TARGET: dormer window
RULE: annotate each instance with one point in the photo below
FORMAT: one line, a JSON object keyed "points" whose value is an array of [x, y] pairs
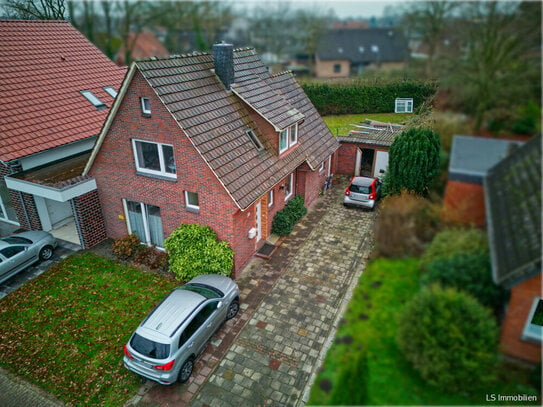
{"points": [[146, 106], [111, 91], [254, 139], [288, 138], [91, 97]]}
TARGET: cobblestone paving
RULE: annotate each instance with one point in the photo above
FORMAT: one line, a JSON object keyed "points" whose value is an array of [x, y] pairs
{"points": [[275, 356]]}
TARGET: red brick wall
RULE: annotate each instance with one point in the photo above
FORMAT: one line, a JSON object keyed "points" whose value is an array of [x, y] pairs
{"points": [[464, 204], [89, 219], [520, 304], [115, 171], [346, 159]]}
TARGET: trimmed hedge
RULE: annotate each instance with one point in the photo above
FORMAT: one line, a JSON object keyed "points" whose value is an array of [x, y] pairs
{"points": [[284, 220], [366, 97]]}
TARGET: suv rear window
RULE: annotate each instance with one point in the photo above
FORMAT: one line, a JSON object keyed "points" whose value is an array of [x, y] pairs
{"points": [[360, 189], [150, 348]]}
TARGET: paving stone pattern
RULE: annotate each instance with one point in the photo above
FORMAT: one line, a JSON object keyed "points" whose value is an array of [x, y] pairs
{"points": [[271, 361]]}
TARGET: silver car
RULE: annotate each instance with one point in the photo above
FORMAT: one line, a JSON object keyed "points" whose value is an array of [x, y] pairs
{"points": [[21, 250], [165, 345], [363, 192]]}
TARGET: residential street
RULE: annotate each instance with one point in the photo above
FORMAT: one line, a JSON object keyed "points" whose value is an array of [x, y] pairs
{"points": [[292, 304]]}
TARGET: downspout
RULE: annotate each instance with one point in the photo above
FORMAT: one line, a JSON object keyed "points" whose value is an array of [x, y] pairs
{"points": [[27, 218]]}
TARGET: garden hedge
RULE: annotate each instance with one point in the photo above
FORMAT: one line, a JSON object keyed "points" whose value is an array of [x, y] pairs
{"points": [[366, 97]]}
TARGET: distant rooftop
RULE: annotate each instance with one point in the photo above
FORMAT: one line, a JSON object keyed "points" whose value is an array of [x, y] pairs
{"points": [[472, 157]]}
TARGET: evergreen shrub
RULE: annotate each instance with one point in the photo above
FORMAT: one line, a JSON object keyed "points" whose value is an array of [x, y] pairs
{"points": [[351, 386], [285, 220], [195, 249], [449, 338]]}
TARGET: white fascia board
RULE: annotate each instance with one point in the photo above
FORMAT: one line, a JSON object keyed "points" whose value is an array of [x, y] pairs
{"points": [[47, 192]]}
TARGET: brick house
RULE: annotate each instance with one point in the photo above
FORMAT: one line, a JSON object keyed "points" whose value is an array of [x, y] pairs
{"points": [[57, 89], [212, 139], [512, 191]]}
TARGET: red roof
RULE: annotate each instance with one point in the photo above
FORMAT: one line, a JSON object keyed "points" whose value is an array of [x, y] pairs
{"points": [[44, 65], [147, 45]]}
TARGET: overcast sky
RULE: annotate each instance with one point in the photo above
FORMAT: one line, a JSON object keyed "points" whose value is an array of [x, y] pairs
{"points": [[343, 8]]}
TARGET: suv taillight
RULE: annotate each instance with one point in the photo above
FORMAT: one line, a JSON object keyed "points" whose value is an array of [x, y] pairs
{"points": [[128, 355], [347, 191], [167, 366], [371, 197]]}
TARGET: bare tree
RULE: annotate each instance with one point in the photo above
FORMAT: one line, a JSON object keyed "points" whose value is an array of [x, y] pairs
{"points": [[35, 9]]}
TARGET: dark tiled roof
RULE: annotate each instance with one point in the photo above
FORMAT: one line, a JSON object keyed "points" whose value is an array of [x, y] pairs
{"points": [[358, 46], [513, 212], [43, 67], [216, 120], [472, 157]]}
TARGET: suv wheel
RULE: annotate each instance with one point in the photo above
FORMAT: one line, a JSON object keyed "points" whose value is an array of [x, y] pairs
{"points": [[185, 371], [233, 309]]}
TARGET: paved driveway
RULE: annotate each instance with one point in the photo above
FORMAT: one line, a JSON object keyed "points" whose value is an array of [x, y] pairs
{"points": [[291, 306]]}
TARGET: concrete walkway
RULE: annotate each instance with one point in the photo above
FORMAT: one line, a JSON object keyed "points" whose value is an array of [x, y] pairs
{"points": [[291, 305]]}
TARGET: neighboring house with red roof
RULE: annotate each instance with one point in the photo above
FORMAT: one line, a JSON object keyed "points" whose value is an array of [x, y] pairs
{"points": [[56, 91], [141, 45], [212, 139]]}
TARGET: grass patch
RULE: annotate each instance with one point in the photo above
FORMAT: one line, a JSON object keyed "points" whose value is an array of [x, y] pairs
{"points": [[371, 323], [342, 124], [65, 330]]}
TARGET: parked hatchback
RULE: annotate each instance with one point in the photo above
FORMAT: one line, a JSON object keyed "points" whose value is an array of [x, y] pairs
{"points": [[165, 345], [363, 192], [21, 250]]}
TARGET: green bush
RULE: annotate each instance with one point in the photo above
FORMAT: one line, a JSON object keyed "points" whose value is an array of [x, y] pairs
{"points": [[449, 338], [194, 250], [466, 272], [449, 242], [285, 220], [126, 247], [414, 161], [351, 387], [357, 97]]}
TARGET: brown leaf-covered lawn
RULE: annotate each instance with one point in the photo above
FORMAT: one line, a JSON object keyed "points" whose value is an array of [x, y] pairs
{"points": [[66, 329]]}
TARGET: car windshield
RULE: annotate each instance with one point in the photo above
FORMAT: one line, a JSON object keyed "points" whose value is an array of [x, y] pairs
{"points": [[204, 290], [360, 189], [150, 348], [16, 240]]}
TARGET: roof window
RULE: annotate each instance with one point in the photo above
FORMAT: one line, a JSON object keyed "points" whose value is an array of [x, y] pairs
{"points": [[254, 139], [111, 91], [91, 97]]}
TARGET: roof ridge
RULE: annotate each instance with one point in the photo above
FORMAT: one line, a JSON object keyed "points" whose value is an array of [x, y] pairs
{"points": [[288, 71]]}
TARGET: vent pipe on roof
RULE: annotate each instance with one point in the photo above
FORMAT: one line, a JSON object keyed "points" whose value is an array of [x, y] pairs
{"points": [[223, 58]]}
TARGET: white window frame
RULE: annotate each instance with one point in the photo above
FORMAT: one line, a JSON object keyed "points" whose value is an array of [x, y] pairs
{"points": [[162, 172], [93, 99], [270, 198], [111, 91], [321, 167], [532, 332], [291, 134], [403, 105], [144, 109], [190, 206], [288, 193], [146, 227], [254, 139]]}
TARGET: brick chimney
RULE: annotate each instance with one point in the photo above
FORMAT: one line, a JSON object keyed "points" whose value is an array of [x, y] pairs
{"points": [[223, 57]]}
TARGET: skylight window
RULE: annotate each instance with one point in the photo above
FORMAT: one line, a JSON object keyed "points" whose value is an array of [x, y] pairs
{"points": [[111, 91], [91, 97], [254, 139]]}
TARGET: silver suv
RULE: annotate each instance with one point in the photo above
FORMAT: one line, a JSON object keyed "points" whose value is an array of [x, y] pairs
{"points": [[163, 348]]}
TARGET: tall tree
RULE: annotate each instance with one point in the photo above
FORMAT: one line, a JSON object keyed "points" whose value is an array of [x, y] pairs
{"points": [[429, 23], [35, 9]]}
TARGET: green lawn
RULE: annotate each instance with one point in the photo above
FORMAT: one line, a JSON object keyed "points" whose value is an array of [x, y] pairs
{"points": [[340, 125], [66, 329], [371, 322]]}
